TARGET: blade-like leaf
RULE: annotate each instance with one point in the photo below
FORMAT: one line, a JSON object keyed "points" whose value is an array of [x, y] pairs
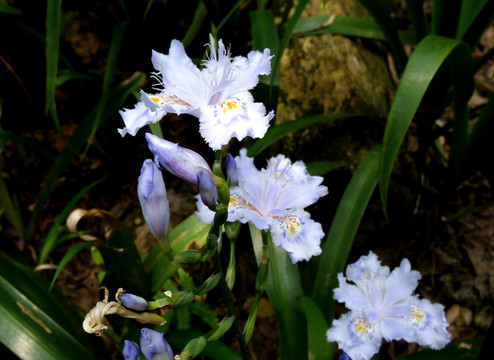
{"points": [[424, 63], [284, 289], [77, 140], [51, 238], [66, 258], [459, 350], [381, 15], [343, 229], [416, 11], [346, 26], [277, 132], [199, 16], [7, 9], [445, 16], [319, 347]]}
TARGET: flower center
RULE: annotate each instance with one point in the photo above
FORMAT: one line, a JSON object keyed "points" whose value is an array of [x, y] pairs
{"points": [[228, 105], [417, 317]]}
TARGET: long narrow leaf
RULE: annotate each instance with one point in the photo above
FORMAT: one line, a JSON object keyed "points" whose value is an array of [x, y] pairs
{"points": [[53, 21], [416, 11], [199, 16], [66, 258], [287, 35], [31, 334], [343, 229], [77, 140], [319, 347], [424, 63], [284, 289], [445, 17], [51, 238], [7, 9], [116, 42], [478, 23], [277, 132], [383, 18], [346, 26]]}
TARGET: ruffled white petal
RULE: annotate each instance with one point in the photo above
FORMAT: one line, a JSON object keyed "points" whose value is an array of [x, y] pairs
{"points": [[238, 117], [401, 283], [204, 214], [365, 267], [355, 336], [429, 324], [136, 118], [353, 297], [298, 234], [179, 76]]}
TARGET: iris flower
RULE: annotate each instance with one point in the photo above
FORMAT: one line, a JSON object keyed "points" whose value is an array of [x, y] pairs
{"points": [[382, 305], [274, 198], [218, 94]]}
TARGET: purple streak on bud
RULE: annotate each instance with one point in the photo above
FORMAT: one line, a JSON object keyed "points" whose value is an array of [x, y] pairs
{"points": [[207, 189], [152, 196], [130, 350], [344, 357], [231, 169], [181, 162], [133, 302], [154, 345]]}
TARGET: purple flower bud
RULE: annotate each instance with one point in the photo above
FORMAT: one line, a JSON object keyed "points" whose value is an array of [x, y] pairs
{"points": [[231, 169], [133, 302], [181, 162], [130, 350], [152, 196], [154, 345], [207, 189]]}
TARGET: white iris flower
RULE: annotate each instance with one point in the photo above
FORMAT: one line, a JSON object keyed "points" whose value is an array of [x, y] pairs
{"points": [[274, 198], [218, 94], [382, 305]]}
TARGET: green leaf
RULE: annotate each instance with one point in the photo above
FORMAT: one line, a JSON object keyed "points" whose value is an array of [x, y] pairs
{"points": [[381, 15], [287, 35], [319, 168], [459, 350], [199, 16], [284, 289], [346, 26], [419, 20], [117, 97], [445, 17], [343, 229], [7, 9], [423, 65], [123, 260], [50, 241], [30, 333], [157, 266], [36, 323], [277, 132], [264, 35], [53, 21], [475, 17], [319, 347], [214, 349], [66, 258], [111, 64]]}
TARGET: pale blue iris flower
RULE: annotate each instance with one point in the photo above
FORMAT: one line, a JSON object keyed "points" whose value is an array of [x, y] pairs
{"points": [[152, 197], [154, 346], [218, 94], [274, 199], [130, 350], [382, 306], [181, 162]]}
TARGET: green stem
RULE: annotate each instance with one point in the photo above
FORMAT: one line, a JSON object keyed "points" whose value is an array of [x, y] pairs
{"points": [[227, 294]]}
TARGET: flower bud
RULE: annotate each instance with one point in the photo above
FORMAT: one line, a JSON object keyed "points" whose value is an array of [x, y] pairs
{"points": [[154, 203], [154, 345], [130, 350], [133, 302], [181, 162], [194, 348], [207, 189], [231, 169]]}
